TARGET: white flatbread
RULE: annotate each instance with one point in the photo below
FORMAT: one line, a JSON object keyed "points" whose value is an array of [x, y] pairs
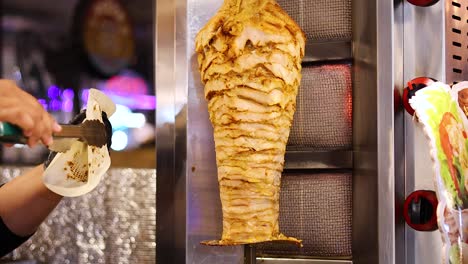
{"points": [[79, 170]]}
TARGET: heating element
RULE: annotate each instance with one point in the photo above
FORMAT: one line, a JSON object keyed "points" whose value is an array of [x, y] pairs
{"points": [[321, 20], [323, 118], [317, 208]]}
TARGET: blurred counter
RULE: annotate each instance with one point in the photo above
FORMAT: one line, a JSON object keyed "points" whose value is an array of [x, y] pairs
{"points": [[115, 223], [138, 158]]}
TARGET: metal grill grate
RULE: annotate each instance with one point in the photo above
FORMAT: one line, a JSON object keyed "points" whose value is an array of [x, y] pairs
{"points": [[456, 28], [321, 20], [317, 209], [323, 118]]}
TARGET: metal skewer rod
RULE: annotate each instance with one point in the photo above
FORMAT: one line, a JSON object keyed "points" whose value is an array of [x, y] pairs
{"points": [[250, 255]]}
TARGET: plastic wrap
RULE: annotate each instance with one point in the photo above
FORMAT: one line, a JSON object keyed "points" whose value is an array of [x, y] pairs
{"points": [[440, 110]]}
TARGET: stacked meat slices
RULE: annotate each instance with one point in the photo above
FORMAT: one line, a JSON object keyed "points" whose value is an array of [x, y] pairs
{"points": [[249, 58]]}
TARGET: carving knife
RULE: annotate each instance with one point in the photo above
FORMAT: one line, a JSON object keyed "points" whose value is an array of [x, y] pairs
{"points": [[93, 132]]}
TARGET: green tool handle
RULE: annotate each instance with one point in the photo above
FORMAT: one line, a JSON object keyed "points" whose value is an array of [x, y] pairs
{"points": [[11, 134]]}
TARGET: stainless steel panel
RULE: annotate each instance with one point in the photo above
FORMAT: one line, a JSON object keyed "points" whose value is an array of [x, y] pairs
{"points": [[317, 208], [399, 149], [318, 160], [321, 20], [250, 254], [423, 32], [171, 219], [327, 51], [456, 42], [300, 261], [204, 215], [373, 179]]}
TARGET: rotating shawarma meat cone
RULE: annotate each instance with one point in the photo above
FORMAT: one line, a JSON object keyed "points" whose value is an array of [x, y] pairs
{"points": [[249, 57]]}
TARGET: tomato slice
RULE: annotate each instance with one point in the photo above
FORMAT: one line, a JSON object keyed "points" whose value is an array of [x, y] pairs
{"points": [[447, 148]]}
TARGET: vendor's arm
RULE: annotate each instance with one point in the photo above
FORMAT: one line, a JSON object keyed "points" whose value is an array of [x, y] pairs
{"points": [[25, 202]]}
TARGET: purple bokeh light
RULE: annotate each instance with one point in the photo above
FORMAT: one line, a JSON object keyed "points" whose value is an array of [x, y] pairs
{"points": [[43, 102], [55, 105], [67, 106], [84, 96], [53, 92], [68, 94]]}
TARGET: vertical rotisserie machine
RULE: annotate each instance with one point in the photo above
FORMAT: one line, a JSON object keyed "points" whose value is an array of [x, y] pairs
{"points": [[353, 154]]}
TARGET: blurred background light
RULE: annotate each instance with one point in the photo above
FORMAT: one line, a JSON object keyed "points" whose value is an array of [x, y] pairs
{"points": [[119, 140], [125, 118]]}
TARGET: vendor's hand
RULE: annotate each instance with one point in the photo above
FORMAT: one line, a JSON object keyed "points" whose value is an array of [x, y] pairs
{"points": [[22, 109], [78, 119]]}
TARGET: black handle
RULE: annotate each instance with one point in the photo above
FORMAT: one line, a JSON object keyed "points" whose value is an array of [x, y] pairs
{"points": [[12, 134]]}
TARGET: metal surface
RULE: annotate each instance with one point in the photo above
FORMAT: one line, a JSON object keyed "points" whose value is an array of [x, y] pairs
{"points": [[327, 51], [378, 68], [178, 241], [170, 229], [373, 179], [321, 20], [93, 132], [204, 215], [422, 27], [315, 206], [399, 149], [300, 261], [318, 160], [323, 117], [456, 43], [183, 98], [115, 223], [250, 254]]}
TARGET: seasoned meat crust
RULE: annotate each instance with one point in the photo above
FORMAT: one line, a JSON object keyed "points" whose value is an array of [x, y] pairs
{"points": [[249, 57]]}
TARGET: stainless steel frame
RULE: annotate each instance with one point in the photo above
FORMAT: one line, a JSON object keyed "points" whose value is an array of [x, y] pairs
{"points": [[301, 261], [373, 128], [456, 68], [171, 182], [318, 160], [324, 51], [187, 193], [419, 51], [399, 150]]}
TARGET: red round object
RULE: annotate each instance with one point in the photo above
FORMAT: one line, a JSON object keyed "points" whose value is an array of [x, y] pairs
{"points": [[430, 207], [423, 3], [413, 86]]}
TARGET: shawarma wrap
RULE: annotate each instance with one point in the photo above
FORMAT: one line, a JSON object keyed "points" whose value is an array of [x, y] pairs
{"points": [[440, 110], [79, 169]]}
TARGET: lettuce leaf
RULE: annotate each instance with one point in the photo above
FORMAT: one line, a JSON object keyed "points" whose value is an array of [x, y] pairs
{"points": [[430, 104]]}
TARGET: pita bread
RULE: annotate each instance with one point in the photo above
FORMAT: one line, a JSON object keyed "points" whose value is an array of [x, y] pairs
{"points": [[79, 170]]}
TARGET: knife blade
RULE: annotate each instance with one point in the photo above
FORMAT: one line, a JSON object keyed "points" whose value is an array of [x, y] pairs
{"points": [[93, 132]]}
